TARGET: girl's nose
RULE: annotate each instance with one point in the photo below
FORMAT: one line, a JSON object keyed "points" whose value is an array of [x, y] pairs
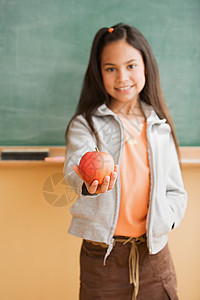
{"points": [[122, 75]]}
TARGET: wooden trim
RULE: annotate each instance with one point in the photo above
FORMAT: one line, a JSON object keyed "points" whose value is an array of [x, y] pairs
{"points": [[190, 156]]}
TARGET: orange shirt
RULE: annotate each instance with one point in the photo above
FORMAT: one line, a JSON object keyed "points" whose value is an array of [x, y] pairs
{"points": [[135, 181]]}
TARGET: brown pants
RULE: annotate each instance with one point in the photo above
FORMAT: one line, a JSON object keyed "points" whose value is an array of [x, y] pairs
{"points": [[157, 279]]}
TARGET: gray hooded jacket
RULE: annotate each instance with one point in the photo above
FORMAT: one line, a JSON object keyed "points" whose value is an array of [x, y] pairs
{"points": [[94, 217]]}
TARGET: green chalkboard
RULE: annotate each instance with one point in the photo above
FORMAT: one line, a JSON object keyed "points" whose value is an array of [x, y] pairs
{"points": [[44, 51]]}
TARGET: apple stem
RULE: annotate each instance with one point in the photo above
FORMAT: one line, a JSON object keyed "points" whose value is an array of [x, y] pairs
{"points": [[96, 149]]}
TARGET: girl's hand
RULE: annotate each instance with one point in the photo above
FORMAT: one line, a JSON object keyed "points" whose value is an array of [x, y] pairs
{"points": [[96, 188]]}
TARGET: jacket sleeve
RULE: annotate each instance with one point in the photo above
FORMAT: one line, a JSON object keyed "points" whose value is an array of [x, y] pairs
{"points": [[175, 191], [79, 141]]}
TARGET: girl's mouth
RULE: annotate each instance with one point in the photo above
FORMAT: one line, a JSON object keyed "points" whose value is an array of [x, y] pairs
{"points": [[124, 88]]}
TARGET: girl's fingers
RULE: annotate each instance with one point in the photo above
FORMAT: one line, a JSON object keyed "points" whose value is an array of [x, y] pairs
{"points": [[107, 184], [104, 186], [76, 170], [116, 168], [113, 178], [92, 188]]}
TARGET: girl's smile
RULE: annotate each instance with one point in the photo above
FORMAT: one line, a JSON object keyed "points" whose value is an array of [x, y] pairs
{"points": [[124, 89], [123, 73]]}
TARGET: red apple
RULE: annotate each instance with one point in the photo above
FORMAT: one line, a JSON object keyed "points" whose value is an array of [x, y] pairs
{"points": [[95, 165]]}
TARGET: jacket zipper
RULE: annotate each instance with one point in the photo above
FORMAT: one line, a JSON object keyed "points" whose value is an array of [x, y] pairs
{"points": [[150, 156], [119, 185]]}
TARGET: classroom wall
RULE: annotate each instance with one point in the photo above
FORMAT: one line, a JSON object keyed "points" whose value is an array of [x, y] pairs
{"points": [[45, 47], [39, 260]]}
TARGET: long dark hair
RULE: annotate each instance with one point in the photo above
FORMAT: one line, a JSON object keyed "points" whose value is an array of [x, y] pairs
{"points": [[93, 93]]}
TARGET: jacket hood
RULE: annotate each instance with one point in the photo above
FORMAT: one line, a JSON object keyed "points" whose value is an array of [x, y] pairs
{"points": [[149, 112]]}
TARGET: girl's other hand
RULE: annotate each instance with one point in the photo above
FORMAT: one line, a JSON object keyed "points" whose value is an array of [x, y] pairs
{"points": [[96, 188]]}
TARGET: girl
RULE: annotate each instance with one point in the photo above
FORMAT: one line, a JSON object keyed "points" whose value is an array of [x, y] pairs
{"points": [[125, 221]]}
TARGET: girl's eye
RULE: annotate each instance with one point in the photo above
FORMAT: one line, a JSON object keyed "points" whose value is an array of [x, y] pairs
{"points": [[110, 69], [131, 66]]}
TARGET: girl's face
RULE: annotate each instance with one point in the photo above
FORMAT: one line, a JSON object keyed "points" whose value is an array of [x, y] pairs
{"points": [[123, 72]]}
